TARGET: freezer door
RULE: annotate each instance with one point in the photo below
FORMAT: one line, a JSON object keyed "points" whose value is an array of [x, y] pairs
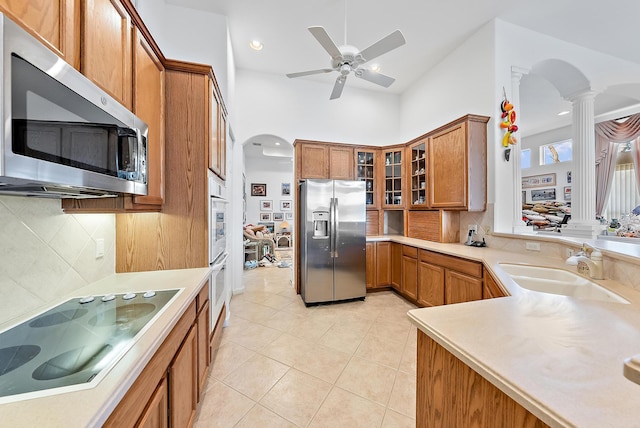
{"points": [[316, 261], [350, 240]]}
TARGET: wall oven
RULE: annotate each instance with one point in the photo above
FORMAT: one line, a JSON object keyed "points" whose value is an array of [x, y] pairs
{"points": [[217, 246]]}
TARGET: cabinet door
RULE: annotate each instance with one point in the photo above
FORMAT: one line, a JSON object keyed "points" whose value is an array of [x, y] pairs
{"points": [[148, 105], [106, 47], [156, 414], [222, 143], [370, 249], [366, 171], [383, 263], [393, 172], [214, 134], [410, 277], [430, 284], [53, 22], [417, 162], [448, 168], [204, 322], [461, 288], [313, 161], [396, 265], [340, 163], [491, 288], [183, 383]]}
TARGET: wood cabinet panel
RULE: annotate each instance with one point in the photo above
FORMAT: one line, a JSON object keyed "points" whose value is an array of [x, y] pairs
{"points": [[383, 264], [450, 394], [55, 23], [396, 265], [203, 327], [456, 263], [417, 174], [312, 160], [370, 249], [447, 168], [156, 414], [106, 47], [373, 223], [392, 166], [148, 105], [461, 288], [410, 277], [491, 287], [341, 163], [436, 226], [183, 384], [431, 280], [366, 166], [409, 251]]}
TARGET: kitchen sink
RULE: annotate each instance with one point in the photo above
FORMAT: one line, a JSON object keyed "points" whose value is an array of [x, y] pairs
{"points": [[559, 281]]}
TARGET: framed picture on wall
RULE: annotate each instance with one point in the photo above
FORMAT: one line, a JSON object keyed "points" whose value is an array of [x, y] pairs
{"points": [[285, 205], [568, 177], [286, 189], [258, 189], [539, 180], [266, 205], [543, 194], [278, 216], [265, 216], [524, 196], [567, 193], [288, 216]]}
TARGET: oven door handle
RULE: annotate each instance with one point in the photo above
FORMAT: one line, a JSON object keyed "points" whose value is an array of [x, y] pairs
{"points": [[218, 266]]}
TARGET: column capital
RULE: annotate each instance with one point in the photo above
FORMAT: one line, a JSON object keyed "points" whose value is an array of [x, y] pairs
{"points": [[582, 96], [518, 72]]}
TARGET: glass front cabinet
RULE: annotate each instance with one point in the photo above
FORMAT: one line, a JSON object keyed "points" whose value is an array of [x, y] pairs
{"points": [[365, 171], [393, 178], [418, 173]]}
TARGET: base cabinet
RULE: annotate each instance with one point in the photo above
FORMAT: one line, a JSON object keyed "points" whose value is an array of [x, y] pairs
{"points": [[183, 382], [156, 414], [410, 272], [370, 249], [450, 394], [396, 266], [431, 279], [461, 288], [383, 264], [491, 289]]}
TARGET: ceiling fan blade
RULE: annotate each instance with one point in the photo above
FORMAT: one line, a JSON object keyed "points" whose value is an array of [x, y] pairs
{"points": [[382, 46], [323, 38], [338, 87], [373, 77], [308, 73]]}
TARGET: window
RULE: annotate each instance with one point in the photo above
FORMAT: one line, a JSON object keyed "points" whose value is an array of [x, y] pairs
{"points": [[525, 158], [624, 195], [556, 153]]}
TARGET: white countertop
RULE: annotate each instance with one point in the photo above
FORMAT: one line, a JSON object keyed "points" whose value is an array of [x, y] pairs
{"points": [[561, 358], [91, 407]]}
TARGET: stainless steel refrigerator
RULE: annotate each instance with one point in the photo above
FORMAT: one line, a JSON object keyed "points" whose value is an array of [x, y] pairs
{"points": [[332, 240]]}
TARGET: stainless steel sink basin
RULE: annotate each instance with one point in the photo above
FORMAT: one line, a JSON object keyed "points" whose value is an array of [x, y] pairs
{"points": [[559, 281]]}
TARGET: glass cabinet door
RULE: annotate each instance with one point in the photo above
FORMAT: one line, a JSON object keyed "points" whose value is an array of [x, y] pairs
{"points": [[365, 172], [418, 174], [393, 178]]}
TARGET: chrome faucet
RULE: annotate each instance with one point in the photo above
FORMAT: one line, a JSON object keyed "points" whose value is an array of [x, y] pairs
{"points": [[589, 262]]}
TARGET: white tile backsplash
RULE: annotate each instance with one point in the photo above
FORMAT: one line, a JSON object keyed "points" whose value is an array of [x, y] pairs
{"points": [[45, 253]]}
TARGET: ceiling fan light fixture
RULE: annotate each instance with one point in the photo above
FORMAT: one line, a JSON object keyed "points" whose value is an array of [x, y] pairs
{"points": [[375, 67], [256, 45]]}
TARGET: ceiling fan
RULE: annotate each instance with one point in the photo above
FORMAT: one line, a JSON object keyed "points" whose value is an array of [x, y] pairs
{"points": [[346, 59]]}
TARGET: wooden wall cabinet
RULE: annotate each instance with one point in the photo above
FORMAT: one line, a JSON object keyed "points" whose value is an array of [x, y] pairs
{"points": [[410, 272], [417, 174], [366, 163], [451, 394], [393, 182], [106, 47], [217, 132], [56, 23], [324, 160], [457, 159]]}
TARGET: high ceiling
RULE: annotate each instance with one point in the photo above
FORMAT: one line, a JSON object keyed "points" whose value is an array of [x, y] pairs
{"points": [[432, 29]]}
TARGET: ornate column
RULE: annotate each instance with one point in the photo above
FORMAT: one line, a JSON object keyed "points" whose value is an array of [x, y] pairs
{"points": [[518, 226], [583, 183]]}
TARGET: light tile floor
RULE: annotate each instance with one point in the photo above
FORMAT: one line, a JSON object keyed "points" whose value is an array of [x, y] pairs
{"points": [[281, 364]]}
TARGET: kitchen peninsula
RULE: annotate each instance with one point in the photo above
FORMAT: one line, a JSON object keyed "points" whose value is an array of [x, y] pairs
{"points": [[559, 359]]}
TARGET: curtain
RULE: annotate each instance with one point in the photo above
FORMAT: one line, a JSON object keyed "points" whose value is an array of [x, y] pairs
{"points": [[635, 154], [608, 133]]}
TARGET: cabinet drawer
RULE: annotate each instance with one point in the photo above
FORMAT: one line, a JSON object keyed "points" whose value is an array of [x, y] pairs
{"points": [[454, 263], [410, 251]]}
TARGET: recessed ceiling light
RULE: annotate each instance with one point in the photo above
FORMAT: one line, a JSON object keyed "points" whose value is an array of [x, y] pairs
{"points": [[277, 144], [562, 113], [375, 67], [256, 45]]}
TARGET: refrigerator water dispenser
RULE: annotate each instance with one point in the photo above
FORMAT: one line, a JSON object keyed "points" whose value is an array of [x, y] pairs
{"points": [[320, 224]]}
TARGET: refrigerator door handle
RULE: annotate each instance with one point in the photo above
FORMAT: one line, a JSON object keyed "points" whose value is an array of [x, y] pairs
{"points": [[331, 228], [336, 233]]}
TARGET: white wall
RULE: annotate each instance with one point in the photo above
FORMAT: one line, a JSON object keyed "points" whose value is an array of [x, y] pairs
{"points": [[299, 108], [273, 173], [45, 254]]}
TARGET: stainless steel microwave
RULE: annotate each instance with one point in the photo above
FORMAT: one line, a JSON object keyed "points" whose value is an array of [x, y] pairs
{"points": [[62, 136]]}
